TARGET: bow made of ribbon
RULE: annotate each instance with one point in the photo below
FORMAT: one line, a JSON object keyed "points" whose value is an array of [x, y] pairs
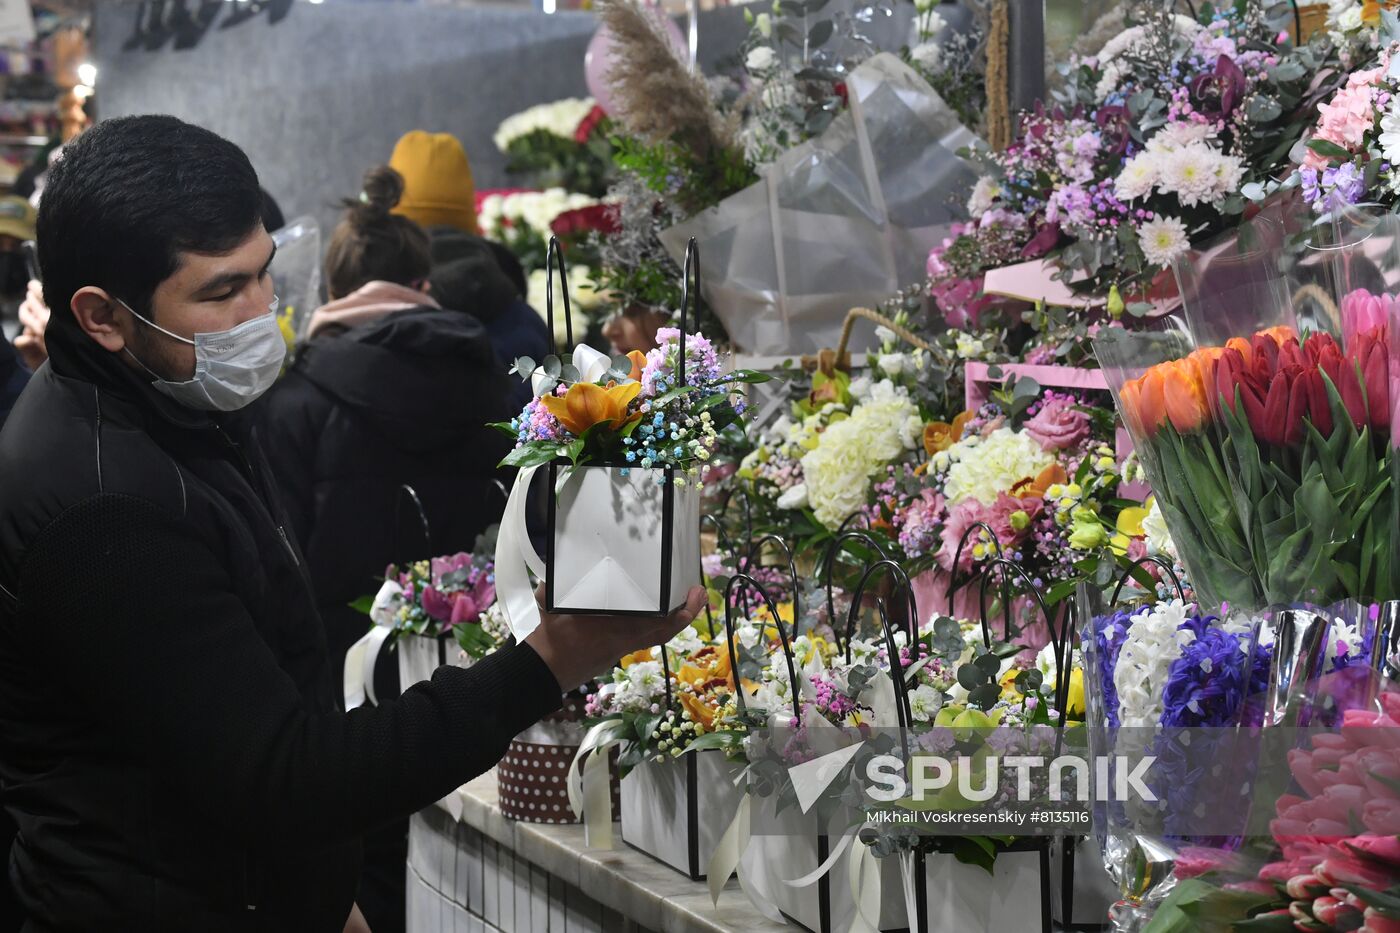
{"points": [[588, 783]]}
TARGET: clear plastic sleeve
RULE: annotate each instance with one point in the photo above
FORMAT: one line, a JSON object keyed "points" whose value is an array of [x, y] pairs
{"points": [[839, 221]]}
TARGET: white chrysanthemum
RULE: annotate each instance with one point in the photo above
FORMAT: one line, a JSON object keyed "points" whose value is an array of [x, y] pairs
{"points": [[1153, 643], [984, 193], [980, 471], [1163, 239], [1156, 533], [559, 118], [1189, 173], [1180, 134], [1138, 177], [1228, 173], [1390, 132]]}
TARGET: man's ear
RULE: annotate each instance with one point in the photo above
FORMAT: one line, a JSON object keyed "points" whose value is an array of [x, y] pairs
{"points": [[96, 313]]}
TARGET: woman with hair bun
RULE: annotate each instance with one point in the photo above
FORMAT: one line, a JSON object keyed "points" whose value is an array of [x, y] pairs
{"points": [[389, 389]]}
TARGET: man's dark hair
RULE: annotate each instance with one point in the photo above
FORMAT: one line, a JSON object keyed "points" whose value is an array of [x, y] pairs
{"points": [[131, 194]]}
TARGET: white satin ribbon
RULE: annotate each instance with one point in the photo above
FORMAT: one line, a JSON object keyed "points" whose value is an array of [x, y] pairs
{"points": [[358, 675], [515, 558], [730, 849], [587, 783], [591, 366], [866, 889]]}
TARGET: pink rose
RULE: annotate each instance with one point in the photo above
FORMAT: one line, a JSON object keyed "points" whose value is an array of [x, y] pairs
{"points": [[1058, 425]]}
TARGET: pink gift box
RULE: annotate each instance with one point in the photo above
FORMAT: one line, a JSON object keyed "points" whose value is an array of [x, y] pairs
{"points": [[979, 386]]}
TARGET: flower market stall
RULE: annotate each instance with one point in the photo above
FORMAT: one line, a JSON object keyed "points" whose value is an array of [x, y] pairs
{"points": [[1069, 600]]}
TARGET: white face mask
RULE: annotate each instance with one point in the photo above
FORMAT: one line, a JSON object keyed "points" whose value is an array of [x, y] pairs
{"points": [[231, 367]]}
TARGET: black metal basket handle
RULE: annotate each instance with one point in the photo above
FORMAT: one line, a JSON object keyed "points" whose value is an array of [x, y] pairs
{"points": [[690, 272], [749, 582], [1127, 575], [554, 257], [755, 550], [726, 549], [838, 544], [407, 493], [954, 584], [903, 711]]}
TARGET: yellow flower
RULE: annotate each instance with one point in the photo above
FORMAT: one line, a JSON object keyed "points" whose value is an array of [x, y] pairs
{"points": [[586, 404], [1130, 521], [635, 657], [1074, 702]]}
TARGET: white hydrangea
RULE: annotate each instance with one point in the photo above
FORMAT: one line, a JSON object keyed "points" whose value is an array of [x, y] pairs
{"points": [[1153, 643], [981, 469], [837, 473], [559, 118]]}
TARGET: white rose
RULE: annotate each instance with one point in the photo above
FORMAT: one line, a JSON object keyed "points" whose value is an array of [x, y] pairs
{"points": [[760, 59], [924, 703], [794, 498]]}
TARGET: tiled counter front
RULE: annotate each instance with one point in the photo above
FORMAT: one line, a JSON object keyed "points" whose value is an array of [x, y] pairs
{"points": [[470, 870]]}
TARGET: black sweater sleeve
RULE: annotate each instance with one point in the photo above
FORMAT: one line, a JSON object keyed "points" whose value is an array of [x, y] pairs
{"points": [[159, 652]]}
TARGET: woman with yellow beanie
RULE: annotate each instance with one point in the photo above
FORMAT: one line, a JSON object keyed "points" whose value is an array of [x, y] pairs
{"points": [[437, 178]]}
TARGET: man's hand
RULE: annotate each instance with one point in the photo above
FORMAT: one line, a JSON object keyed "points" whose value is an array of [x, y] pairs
{"points": [[355, 923], [577, 648], [34, 316]]}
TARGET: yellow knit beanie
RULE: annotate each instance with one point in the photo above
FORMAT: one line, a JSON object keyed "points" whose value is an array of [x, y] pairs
{"points": [[437, 181]]}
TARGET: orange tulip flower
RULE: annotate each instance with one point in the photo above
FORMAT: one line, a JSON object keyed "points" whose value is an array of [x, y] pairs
{"points": [[1174, 391], [586, 404], [939, 435], [1371, 9], [639, 361]]}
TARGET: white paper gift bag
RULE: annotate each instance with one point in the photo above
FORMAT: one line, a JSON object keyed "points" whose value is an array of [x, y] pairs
{"points": [[965, 898], [621, 541], [676, 811]]}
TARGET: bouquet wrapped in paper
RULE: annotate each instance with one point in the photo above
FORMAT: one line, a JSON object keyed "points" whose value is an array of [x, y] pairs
{"points": [[846, 216]]}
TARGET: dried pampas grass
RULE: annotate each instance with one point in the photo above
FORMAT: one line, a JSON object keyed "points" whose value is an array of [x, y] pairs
{"points": [[657, 97]]}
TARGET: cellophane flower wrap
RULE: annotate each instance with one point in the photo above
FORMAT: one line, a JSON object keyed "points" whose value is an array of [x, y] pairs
{"points": [[1268, 450]]}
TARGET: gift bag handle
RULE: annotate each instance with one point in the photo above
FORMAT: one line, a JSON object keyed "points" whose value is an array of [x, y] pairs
{"points": [[555, 256], [954, 584], [903, 711], [690, 272], [838, 544], [756, 549], [748, 581], [1163, 565], [726, 548], [407, 493]]}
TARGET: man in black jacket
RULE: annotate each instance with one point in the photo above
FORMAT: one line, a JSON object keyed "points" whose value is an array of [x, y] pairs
{"points": [[169, 744]]}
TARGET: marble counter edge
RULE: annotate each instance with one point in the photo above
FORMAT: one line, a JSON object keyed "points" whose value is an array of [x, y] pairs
{"points": [[622, 878]]}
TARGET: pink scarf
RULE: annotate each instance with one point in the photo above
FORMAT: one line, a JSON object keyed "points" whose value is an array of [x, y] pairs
{"points": [[372, 302]]}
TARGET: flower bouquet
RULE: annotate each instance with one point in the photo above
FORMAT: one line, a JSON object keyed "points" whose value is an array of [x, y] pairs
{"points": [[623, 442], [1270, 459], [563, 144]]}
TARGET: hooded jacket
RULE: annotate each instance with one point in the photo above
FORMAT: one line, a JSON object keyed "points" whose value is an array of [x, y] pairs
{"points": [[170, 748], [405, 399]]}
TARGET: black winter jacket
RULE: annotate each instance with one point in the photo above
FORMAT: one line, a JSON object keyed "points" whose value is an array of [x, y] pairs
{"points": [[402, 400], [170, 748]]}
